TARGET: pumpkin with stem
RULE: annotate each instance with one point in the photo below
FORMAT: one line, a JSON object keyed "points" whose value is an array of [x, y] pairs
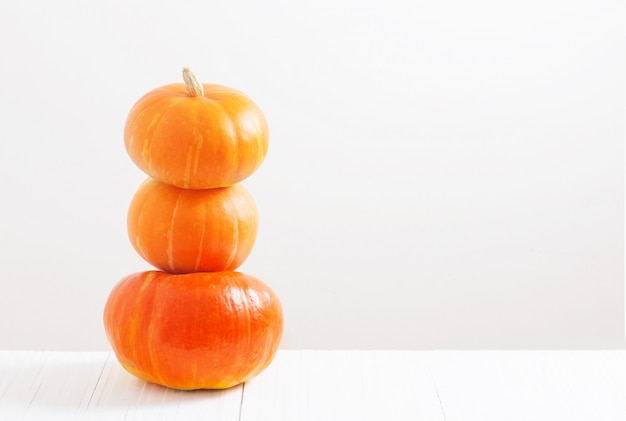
{"points": [[196, 136]]}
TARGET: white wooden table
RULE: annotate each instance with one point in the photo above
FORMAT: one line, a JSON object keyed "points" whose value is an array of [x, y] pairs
{"points": [[330, 385]]}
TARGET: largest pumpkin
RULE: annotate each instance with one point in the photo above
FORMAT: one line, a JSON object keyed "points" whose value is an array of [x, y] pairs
{"points": [[208, 330], [196, 136]]}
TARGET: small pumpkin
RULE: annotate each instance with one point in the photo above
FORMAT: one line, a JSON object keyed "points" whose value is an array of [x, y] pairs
{"points": [[196, 136], [208, 330], [182, 230]]}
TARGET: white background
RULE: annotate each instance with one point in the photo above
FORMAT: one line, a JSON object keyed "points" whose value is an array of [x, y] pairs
{"points": [[441, 174]]}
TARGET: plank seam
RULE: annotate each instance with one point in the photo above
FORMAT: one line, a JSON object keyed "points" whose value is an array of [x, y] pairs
{"points": [[443, 412], [39, 379], [95, 387], [243, 388]]}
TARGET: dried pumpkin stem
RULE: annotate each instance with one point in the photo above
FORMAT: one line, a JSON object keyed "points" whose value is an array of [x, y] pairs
{"points": [[195, 88]]}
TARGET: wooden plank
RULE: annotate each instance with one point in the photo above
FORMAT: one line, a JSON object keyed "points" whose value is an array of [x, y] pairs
{"points": [[119, 395], [612, 364], [596, 381], [19, 372], [46, 385], [93, 386], [483, 386], [526, 385], [400, 386], [342, 385]]}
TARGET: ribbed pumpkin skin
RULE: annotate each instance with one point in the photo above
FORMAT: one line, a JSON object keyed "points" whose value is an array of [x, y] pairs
{"points": [[194, 331], [209, 141], [182, 230]]}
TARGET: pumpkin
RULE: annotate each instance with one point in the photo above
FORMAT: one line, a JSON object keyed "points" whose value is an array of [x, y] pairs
{"points": [[196, 136], [207, 330], [182, 230]]}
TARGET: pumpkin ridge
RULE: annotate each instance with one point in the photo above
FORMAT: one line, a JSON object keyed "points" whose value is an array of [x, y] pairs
{"points": [[201, 240], [170, 235], [133, 131], [229, 209], [231, 133], [133, 308], [241, 132], [152, 337], [249, 347], [195, 151], [170, 104], [138, 224]]}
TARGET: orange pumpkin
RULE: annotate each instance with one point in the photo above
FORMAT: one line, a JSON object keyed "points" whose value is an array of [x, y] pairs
{"points": [[208, 330], [196, 136], [182, 230]]}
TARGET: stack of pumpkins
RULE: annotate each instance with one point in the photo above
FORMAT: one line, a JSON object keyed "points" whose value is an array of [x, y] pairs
{"points": [[195, 323]]}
